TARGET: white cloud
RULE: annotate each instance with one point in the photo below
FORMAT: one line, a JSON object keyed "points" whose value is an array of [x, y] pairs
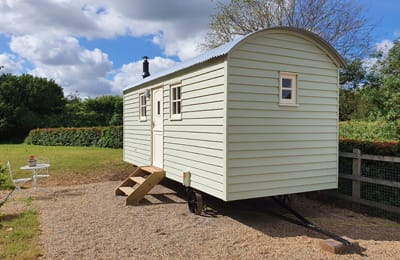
{"points": [[64, 60], [132, 72], [10, 64], [47, 32], [383, 47]]}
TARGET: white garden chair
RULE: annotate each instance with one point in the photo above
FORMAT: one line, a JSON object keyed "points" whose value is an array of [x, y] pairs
{"points": [[18, 183], [43, 172]]}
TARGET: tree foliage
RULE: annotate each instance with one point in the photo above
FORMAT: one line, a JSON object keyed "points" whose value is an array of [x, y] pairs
{"points": [[28, 102], [375, 95], [340, 22], [100, 111]]}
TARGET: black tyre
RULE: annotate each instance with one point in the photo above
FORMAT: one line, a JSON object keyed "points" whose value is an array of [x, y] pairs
{"points": [[195, 202]]}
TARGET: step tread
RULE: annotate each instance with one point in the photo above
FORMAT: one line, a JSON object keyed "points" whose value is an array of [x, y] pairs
{"points": [[151, 169], [138, 179], [127, 190]]}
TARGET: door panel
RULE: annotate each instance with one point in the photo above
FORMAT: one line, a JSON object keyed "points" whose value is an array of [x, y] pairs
{"points": [[158, 127]]}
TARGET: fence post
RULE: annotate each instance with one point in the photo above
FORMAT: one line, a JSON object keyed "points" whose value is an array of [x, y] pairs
{"points": [[356, 184]]}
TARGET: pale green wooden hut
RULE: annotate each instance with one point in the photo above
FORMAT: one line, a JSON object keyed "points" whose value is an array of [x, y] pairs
{"points": [[252, 118]]}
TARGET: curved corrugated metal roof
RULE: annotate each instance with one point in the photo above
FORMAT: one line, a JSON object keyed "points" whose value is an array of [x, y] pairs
{"points": [[226, 48]]}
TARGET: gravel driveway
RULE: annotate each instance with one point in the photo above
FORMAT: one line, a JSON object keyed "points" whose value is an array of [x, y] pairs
{"points": [[90, 222]]}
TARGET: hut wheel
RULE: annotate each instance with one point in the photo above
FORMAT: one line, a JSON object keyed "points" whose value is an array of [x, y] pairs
{"points": [[195, 202]]}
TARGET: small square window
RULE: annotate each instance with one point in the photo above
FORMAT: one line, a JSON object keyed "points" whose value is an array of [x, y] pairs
{"points": [[142, 108], [288, 89], [176, 103]]}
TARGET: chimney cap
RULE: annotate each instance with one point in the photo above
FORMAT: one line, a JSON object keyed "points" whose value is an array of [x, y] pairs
{"points": [[145, 57]]}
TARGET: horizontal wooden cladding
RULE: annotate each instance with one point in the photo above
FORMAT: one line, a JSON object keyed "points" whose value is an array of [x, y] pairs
{"points": [[132, 135], [268, 153], [278, 161], [279, 145], [255, 64], [279, 176], [279, 59], [212, 172], [282, 129], [282, 183], [202, 93], [241, 172], [206, 70], [198, 180], [215, 137], [272, 87], [193, 148], [281, 113], [196, 121], [195, 156], [292, 43], [242, 138], [134, 146], [195, 128], [212, 78], [136, 160], [250, 81], [239, 195], [204, 100], [218, 105], [283, 122], [273, 105], [259, 73], [278, 50], [194, 142]]}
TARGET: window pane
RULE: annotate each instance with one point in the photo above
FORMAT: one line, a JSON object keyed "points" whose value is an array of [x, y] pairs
{"points": [[178, 107], [178, 90], [173, 108], [286, 94], [158, 108], [286, 83], [174, 94]]}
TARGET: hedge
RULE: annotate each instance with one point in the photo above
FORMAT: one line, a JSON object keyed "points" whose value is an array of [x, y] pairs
{"points": [[110, 137], [390, 148], [366, 130]]}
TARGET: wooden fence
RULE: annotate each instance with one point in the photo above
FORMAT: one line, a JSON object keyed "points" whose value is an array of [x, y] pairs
{"points": [[356, 177]]}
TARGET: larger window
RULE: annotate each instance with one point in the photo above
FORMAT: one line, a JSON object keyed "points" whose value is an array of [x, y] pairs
{"points": [[142, 107], [176, 103], [288, 88]]}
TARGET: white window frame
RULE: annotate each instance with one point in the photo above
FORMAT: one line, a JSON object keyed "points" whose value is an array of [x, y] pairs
{"points": [[288, 101], [175, 106], [142, 107]]}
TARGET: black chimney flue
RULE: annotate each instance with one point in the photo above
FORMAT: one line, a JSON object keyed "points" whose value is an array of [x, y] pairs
{"points": [[146, 72]]}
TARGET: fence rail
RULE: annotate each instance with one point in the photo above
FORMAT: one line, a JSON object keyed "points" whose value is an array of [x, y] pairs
{"points": [[357, 173]]}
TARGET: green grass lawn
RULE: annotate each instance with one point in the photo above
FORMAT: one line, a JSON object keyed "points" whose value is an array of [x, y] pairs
{"points": [[77, 162], [69, 165], [18, 236]]}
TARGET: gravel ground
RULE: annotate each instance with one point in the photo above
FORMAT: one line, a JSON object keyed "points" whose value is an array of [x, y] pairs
{"points": [[90, 222]]}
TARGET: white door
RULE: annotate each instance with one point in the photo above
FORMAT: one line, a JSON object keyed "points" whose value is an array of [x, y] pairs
{"points": [[158, 127]]}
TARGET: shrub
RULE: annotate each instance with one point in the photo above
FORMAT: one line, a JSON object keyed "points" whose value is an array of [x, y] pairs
{"points": [[5, 182], [390, 148], [372, 131], [110, 137]]}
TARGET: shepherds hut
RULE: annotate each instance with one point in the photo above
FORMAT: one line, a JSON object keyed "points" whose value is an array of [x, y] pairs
{"points": [[252, 118]]}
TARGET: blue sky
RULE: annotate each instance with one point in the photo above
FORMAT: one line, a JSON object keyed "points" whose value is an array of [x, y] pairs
{"points": [[96, 47]]}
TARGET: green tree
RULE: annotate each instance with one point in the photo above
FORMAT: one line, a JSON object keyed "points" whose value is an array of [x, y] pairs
{"points": [[340, 22], [102, 109], [99, 111], [28, 102]]}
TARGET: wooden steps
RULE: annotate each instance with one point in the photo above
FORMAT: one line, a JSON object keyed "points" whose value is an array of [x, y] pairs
{"points": [[139, 183]]}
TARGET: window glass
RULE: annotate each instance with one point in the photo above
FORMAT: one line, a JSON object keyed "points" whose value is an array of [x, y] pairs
{"points": [[176, 103], [288, 88]]}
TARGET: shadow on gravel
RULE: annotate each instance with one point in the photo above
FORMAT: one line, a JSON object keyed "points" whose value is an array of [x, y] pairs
{"points": [[260, 214]]}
